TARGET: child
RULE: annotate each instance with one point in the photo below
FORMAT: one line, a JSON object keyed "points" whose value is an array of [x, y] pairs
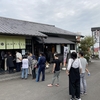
{"points": [[56, 71], [24, 67]]}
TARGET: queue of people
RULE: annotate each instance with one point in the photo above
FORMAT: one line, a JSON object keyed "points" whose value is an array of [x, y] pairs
{"points": [[76, 68]]}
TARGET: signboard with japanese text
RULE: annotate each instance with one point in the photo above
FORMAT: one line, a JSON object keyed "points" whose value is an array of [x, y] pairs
{"points": [[96, 36], [12, 42], [66, 50]]}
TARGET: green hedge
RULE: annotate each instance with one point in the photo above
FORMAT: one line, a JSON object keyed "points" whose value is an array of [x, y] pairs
{"points": [[87, 58]]}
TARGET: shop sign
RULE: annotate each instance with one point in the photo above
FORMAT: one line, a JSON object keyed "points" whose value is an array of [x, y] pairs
{"points": [[12, 42]]}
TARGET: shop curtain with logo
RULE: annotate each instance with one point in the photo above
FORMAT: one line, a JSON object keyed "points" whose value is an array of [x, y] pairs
{"points": [[12, 42], [2, 42]]}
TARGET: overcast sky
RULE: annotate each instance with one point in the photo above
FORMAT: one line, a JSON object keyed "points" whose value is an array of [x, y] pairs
{"points": [[71, 15]]}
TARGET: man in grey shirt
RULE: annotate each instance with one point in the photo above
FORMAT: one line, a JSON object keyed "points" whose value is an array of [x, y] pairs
{"points": [[84, 64]]}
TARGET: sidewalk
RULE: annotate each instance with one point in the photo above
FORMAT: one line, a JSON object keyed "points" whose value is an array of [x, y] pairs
{"points": [[6, 76]]}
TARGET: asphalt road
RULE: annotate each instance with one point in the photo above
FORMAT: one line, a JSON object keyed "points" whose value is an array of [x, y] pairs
{"points": [[19, 89]]}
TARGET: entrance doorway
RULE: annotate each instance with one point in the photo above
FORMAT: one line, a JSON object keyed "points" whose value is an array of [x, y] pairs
{"points": [[3, 56]]}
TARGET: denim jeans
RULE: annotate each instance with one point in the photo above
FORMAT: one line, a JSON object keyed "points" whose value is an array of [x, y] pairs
{"points": [[83, 84], [40, 69], [24, 72], [18, 67]]}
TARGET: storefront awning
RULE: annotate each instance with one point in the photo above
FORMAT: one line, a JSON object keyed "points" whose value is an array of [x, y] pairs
{"points": [[54, 40]]}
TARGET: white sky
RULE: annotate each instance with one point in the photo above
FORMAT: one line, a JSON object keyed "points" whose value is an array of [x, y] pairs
{"points": [[71, 15]]}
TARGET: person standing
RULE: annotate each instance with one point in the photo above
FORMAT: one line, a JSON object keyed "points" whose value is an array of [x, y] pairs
{"points": [[34, 67], [56, 70], [84, 64], [41, 67], [18, 61], [2, 59], [30, 63], [10, 63], [24, 67], [73, 71]]}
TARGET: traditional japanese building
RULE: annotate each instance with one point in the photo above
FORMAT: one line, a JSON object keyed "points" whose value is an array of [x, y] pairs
{"points": [[33, 37]]}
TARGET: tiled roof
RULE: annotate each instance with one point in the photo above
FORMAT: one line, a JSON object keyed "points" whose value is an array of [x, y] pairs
{"points": [[56, 40], [19, 27]]}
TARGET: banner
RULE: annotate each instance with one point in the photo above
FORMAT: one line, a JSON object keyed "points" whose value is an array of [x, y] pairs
{"points": [[12, 42], [66, 50]]}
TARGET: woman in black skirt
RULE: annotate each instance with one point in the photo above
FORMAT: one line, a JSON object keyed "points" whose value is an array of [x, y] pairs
{"points": [[73, 71]]}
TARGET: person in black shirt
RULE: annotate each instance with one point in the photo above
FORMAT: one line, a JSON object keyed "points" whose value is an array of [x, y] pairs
{"points": [[56, 70], [10, 63]]}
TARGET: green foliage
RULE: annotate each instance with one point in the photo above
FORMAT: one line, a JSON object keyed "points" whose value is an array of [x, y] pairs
{"points": [[86, 44]]}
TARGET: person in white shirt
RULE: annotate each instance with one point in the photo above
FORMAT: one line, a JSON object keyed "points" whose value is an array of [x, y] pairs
{"points": [[73, 71], [84, 63], [24, 67], [18, 61]]}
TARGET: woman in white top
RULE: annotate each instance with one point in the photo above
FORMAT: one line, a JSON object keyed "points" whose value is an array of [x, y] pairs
{"points": [[24, 67], [73, 71]]}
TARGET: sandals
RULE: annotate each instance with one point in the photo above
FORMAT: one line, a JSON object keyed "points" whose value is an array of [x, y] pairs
{"points": [[50, 85], [57, 85]]}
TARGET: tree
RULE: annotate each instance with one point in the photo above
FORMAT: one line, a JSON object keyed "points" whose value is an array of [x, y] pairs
{"points": [[86, 44]]}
